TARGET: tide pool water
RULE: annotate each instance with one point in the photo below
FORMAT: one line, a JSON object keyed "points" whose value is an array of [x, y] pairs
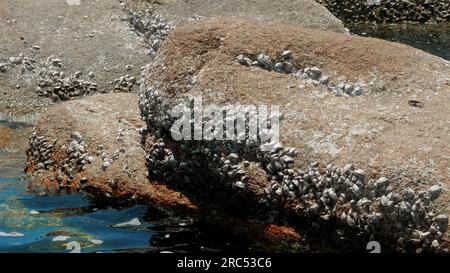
{"points": [[72, 223], [31, 222]]}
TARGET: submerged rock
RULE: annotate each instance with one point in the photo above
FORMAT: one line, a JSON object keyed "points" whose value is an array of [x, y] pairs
{"points": [[11, 234], [61, 238], [132, 222]]}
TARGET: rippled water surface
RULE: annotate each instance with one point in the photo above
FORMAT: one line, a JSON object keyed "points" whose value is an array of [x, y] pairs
{"points": [[65, 215], [91, 226], [434, 39]]}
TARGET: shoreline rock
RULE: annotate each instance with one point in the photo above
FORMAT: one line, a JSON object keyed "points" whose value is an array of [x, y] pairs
{"points": [[305, 13], [302, 186], [309, 187], [72, 142], [74, 52], [29, 85]]}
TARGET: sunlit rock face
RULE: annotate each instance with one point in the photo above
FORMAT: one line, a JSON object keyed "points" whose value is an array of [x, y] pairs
{"points": [[5, 136], [352, 162]]}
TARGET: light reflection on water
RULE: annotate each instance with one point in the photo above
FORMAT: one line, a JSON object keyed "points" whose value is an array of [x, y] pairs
{"points": [[72, 215], [82, 220]]}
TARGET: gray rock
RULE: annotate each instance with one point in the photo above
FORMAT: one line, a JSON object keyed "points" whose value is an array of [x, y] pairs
{"points": [[435, 244], [382, 182], [56, 62], [408, 194], [314, 73], [105, 165], [3, 67], [357, 91], [132, 222], [244, 60], [77, 136], [286, 55], [264, 61], [434, 192], [359, 174], [324, 80]]}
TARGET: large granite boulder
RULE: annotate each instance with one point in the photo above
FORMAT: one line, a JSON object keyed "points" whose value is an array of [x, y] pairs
{"points": [[364, 131], [79, 50], [306, 13]]}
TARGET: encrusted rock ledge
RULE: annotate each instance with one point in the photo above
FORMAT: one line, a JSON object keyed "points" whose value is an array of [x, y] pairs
{"points": [[93, 145], [350, 168]]}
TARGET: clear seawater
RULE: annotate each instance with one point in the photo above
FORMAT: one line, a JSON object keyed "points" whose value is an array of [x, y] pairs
{"points": [[431, 38], [83, 220]]}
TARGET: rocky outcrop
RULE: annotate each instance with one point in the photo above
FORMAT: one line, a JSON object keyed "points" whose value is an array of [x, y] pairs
{"points": [[153, 21], [76, 51], [389, 11], [358, 168], [305, 13], [87, 49], [93, 146]]}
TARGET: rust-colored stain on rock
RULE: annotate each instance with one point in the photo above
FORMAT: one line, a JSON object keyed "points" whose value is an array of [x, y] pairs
{"points": [[5, 137]]}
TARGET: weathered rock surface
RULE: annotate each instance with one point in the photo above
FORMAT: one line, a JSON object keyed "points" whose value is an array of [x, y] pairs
{"points": [[92, 49], [90, 37], [306, 13], [93, 145], [375, 146], [5, 137]]}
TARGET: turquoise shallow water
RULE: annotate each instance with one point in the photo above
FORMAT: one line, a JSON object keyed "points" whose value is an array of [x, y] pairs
{"points": [[83, 220], [434, 39], [72, 215]]}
